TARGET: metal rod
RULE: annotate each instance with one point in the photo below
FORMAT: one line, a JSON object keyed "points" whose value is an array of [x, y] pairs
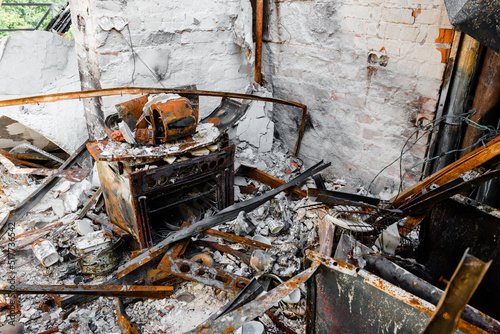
{"points": [[43, 18], [258, 40], [144, 291]]}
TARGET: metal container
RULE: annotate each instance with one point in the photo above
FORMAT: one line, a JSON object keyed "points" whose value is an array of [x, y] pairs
{"points": [[102, 262]]}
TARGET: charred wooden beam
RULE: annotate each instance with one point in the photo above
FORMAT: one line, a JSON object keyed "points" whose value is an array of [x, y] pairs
{"points": [[486, 97], [450, 129]]}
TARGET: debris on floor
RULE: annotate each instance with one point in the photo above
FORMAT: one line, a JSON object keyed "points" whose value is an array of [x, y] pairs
{"points": [[178, 230]]}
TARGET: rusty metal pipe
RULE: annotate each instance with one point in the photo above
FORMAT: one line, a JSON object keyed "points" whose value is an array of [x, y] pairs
{"points": [[259, 18], [138, 90], [143, 291]]}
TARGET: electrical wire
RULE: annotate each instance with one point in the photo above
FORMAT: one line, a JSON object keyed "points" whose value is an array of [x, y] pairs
{"points": [[135, 54], [465, 117]]}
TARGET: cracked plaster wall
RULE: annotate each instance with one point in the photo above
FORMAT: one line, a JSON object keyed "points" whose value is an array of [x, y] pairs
{"points": [[37, 63]]}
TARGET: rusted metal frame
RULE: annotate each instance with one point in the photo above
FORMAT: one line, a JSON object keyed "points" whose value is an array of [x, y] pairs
{"points": [[452, 171], [259, 19], [391, 272], [104, 221], [385, 286], [143, 291], [19, 161], [278, 323], [446, 191], [238, 317], [124, 322], [442, 99], [196, 272], [222, 216], [137, 277], [269, 180], [25, 206], [73, 175], [91, 202], [225, 249], [460, 289], [450, 129], [132, 90]]}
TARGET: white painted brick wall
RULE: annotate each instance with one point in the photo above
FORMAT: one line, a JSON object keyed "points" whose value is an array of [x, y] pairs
{"points": [[370, 110]]}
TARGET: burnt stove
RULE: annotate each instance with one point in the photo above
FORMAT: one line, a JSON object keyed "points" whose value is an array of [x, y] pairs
{"points": [[150, 198]]}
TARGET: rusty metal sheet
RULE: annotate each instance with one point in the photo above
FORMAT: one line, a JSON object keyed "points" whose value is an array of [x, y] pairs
{"points": [[182, 92], [73, 175], [117, 194], [351, 300], [142, 291], [206, 275], [468, 275], [227, 113], [391, 272], [124, 322], [249, 311], [28, 203], [229, 213], [449, 229]]}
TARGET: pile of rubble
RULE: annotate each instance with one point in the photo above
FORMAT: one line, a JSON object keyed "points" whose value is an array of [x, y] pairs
{"points": [[193, 234]]}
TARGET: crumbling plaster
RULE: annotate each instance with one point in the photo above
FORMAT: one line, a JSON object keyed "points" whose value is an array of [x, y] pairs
{"points": [[37, 63], [315, 52]]}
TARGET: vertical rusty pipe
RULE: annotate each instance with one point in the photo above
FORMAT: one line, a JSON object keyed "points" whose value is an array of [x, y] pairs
{"points": [[487, 95], [258, 43], [450, 128]]}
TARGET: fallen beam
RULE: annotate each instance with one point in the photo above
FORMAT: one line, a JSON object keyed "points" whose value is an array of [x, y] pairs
{"points": [[452, 171]]}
